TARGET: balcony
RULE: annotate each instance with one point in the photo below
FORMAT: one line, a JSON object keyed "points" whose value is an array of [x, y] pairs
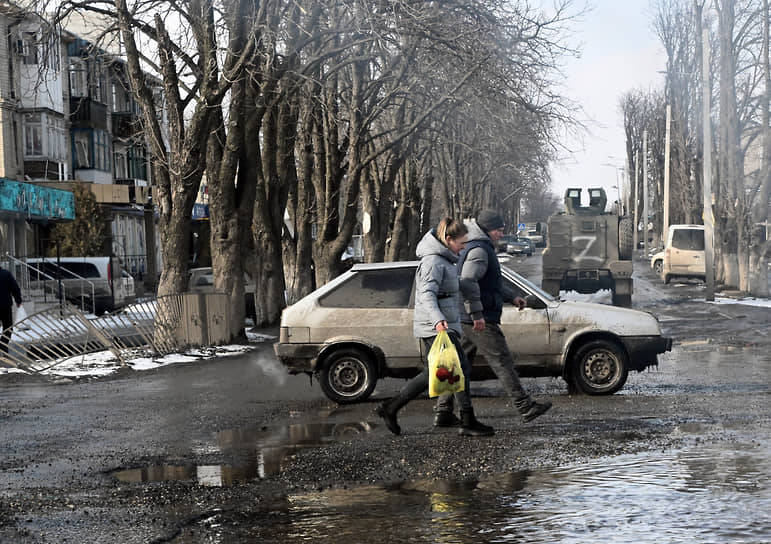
{"points": [[86, 113], [125, 124]]}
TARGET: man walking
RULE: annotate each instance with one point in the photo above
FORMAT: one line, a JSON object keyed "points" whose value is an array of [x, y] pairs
{"points": [[9, 292], [481, 284]]}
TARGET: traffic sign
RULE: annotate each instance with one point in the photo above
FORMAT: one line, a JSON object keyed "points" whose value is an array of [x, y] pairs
{"points": [[521, 226]]}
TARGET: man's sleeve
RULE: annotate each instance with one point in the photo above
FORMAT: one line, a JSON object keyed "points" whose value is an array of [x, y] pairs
{"points": [[508, 294], [15, 291], [474, 268]]}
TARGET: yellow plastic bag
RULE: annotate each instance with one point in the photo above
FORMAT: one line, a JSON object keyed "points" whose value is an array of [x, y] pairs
{"points": [[444, 372]]}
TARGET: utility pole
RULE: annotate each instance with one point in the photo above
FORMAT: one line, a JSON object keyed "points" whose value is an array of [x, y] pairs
{"points": [[636, 239], [666, 173], [645, 193], [709, 223]]}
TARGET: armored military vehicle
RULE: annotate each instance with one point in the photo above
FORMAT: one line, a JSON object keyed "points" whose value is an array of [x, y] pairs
{"points": [[589, 249]]}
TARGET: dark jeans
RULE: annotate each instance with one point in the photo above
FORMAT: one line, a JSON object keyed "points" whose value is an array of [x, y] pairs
{"points": [[419, 383], [6, 316], [491, 344]]}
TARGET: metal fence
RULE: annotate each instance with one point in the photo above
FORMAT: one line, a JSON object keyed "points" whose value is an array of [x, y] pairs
{"points": [[159, 326]]}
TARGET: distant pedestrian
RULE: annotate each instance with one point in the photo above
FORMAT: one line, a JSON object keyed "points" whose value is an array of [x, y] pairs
{"points": [[437, 309], [9, 292], [484, 294]]}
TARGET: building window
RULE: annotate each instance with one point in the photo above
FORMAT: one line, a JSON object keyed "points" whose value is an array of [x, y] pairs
{"points": [[78, 78], [33, 135], [81, 152], [44, 136], [29, 52], [121, 164], [137, 162], [102, 151], [91, 149], [56, 139]]}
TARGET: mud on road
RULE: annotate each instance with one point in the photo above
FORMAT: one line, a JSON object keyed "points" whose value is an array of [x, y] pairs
{"points": [[150, 457]]}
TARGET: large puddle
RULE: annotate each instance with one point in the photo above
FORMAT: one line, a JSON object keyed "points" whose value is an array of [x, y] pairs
{"points": [[256, 453], [712, 494]]}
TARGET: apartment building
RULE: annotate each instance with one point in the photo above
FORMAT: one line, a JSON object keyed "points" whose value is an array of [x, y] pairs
{"points": [[33, 131], [67, 116]]}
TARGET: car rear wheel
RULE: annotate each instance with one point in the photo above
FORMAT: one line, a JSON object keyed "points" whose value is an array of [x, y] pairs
{"points": [[348, 375], [600, 367]]}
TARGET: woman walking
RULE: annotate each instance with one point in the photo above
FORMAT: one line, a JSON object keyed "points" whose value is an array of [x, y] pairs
{"points": [[436, 309]]}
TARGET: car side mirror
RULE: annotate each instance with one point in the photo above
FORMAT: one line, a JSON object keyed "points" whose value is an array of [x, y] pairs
{"points": [[534, 302]]}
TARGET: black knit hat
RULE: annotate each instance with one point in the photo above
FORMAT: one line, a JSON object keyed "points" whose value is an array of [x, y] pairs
{"points": [[490, 220]]}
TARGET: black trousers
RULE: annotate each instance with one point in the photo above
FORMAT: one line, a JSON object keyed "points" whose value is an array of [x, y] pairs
{"points": [[6, 316]]}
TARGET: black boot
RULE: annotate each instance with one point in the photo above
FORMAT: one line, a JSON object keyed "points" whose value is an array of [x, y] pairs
{"points": [[534, 410], [387, 410], [471, 427], [446, 419]]}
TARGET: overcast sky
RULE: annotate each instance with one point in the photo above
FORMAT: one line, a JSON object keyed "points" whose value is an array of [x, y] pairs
{"points": [[620, 52]]}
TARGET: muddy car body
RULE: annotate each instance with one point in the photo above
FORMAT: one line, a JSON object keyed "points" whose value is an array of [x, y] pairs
{"points": [[358, 329]]}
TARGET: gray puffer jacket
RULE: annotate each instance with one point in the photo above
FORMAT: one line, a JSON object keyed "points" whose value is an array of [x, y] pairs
{"points": [[436, 288]]}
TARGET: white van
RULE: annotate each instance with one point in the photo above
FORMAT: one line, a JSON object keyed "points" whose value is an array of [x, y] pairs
{"points": [[684, 253], [96, 284]]}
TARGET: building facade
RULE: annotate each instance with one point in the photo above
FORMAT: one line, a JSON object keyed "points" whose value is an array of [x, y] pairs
{"points": [[67, 115]]}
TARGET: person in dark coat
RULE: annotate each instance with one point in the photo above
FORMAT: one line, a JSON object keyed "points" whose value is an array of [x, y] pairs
{"points": [[9, 292], [484, 294], [437, 309]]}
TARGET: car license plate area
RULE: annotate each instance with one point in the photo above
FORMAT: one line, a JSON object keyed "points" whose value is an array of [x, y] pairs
{"points": [[588, 275]]}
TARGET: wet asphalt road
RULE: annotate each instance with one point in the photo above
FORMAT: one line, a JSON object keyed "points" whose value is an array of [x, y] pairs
{"points": [[154, 456]]}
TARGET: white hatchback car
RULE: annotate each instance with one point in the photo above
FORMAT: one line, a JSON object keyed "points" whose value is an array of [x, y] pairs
{"points": [[358, 328], [684, 253]]}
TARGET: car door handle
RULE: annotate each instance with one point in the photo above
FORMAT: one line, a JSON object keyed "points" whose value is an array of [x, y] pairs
{"points": [[560, 329]]}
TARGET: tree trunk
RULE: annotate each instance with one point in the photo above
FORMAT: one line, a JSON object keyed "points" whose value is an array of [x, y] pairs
{"points": [[758, 261], [733, 238], [231, 207]]}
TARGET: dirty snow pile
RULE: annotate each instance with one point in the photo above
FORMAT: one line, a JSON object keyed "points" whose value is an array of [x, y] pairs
{"points": [[103, 363]]}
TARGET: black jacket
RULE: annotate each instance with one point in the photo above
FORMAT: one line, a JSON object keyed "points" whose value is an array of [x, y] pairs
{"points": [[9, 289]]}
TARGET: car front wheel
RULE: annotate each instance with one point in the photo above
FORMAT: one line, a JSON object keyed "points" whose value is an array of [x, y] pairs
{"points": [[348, 375], [657, 266], [600, 367]]}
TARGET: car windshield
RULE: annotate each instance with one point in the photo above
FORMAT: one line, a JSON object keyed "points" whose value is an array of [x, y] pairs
{"points": [[688, 239], [516, 278]]}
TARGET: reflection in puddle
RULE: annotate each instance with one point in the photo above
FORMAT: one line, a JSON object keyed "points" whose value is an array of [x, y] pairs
{"points": [[715, 494], [263, 452]]}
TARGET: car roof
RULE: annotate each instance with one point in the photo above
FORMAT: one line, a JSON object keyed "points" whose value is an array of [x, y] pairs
{"points": [[673, 227], [385, 266]]}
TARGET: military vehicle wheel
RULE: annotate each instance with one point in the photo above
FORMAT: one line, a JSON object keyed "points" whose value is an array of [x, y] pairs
{"points": [[625, 238], [551, 286], [348, 375], [624, 301], [599, 367]]}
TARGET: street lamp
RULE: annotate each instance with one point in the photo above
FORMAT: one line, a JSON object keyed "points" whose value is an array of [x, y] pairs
{"points": [[617, 187]]}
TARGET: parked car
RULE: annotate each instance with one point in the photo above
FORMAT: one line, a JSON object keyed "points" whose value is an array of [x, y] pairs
{"points": [[536, 237], [684, 253], [504, 242], [520, 246], [201, 280], [358, 328], [96, 284]]}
